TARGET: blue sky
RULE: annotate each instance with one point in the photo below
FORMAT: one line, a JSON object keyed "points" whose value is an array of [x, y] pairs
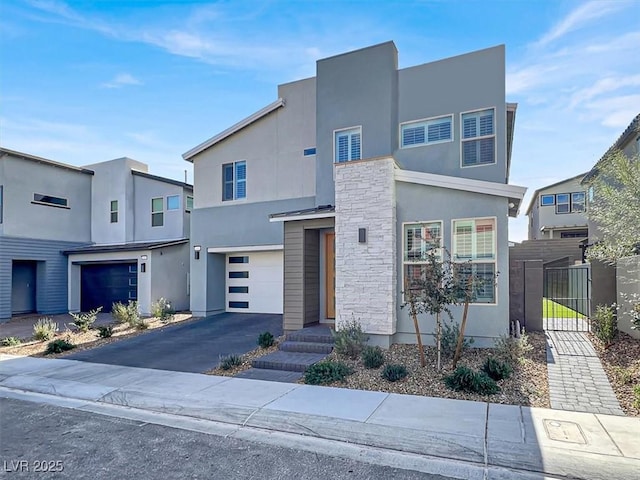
{"points": [[87, 81]]}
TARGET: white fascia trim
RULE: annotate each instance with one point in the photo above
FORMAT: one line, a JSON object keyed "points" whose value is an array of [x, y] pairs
{"points": [[233, 129], [252, 248], [459, 183], [310, 216]]}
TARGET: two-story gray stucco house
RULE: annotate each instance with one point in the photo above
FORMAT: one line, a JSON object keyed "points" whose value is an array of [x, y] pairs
{"points": [[76, 238], [559, 210], [320, 204]]}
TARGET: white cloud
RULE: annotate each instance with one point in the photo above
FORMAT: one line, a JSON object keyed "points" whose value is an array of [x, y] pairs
{"points": [[121, 80], [578, 18], [602, 86]]}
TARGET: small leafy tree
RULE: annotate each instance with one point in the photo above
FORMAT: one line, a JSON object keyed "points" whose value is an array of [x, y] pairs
{"points": [[433, 293], [615, 207]]}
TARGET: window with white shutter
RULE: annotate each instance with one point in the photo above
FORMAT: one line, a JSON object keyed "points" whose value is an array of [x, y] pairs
{"points": [[348, 145], [234, 181], [478, 138], [425, 132]]}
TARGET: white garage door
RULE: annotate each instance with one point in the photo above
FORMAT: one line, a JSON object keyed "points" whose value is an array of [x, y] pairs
{"points": [[254, 282]]}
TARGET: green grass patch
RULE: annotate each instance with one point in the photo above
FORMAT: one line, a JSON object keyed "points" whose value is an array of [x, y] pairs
{"points": [[551, 309]]}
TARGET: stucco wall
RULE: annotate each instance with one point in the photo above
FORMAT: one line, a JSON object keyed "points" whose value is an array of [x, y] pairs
{"points": [[169, 275], [417, 203], [366, 272], [628, 284], [23, 218]]}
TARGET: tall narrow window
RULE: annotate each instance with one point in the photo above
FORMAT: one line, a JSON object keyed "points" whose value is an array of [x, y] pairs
{"points": [[348, 145], [474, 248], [562, 203], [478, 138], [189, 203], [234, 181], [114, 211], [157, 214], [419, 240]]}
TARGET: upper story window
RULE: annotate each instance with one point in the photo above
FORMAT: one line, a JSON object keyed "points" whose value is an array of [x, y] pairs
{"points": [[348, 144], [424, 132], [114, 211], [50, 200], [478, 138], [308, 152], [474, 246], [578, 202], [570, 202], [173, 202], [547, 200], [189, 203], [157, 213], [234, 181]]}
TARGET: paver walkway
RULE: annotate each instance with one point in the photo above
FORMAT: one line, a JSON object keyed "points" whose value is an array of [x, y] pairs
{"points": [[577, 380]]}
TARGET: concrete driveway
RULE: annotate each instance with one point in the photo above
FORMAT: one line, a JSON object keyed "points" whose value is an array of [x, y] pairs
{"points": [[190, 347]]}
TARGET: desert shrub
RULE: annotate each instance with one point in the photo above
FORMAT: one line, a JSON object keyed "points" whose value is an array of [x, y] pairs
{"points": [[58, 346], [394, 372], [326, 371], [10, 341], [636, 397], [126, 313], [350, 339], [266, 339], [372, 357], [512, 350], [105, 332], [497, 369], [604, 325], [229, 361], [467, 380], [623, 375], [162, 310], [83, 321], [44, 329], [449, 339]]}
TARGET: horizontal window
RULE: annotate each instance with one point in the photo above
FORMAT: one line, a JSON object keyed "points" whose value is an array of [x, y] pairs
{"points": [[474, 239], [309, 151], [173, 202], [547, 200], [483, 280], [238, 289], [50, 200], [238, 259], [427, 131], [238, 304], [238, 274]]}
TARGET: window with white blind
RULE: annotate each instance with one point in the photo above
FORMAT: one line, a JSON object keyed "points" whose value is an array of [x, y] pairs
{"points": [[478, 138], [420, 239], [474, 248], [348, 145], [234, 181], [425, 132]]}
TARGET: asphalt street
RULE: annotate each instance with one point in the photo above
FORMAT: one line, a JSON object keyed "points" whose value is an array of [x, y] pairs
{"points": [[194, 346], [45, 441]]}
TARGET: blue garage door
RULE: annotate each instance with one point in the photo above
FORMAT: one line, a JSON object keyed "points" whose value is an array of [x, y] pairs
{"points": [[104, 284]]}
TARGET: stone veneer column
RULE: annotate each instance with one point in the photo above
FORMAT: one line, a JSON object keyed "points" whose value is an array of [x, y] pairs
{"points": [[366, 272]]}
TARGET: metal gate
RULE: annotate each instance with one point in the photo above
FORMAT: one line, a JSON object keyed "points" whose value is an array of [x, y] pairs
{"points": [[566, 302]]}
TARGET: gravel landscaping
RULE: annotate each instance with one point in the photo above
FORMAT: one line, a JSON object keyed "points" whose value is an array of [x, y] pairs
{"points": [[621, 362], [89, 339], [247, 358]]}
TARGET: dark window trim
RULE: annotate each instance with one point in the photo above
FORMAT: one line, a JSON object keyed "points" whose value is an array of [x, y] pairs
{"points": [[238, 259], [50, 204], [236, 289], [243, 274], [234, 304]]}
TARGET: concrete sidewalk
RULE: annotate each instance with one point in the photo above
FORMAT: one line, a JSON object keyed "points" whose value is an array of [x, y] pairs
{"points": [[463, 439]]}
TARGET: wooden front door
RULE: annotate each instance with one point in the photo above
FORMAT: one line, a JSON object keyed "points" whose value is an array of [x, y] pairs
{"points": [[330, 269]]}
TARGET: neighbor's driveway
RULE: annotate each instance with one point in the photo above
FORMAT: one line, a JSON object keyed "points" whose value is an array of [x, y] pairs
{"points": [[190, 347]]}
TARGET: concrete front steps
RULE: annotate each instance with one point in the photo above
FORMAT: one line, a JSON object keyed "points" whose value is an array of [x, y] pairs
{"points": [[300, 349]]}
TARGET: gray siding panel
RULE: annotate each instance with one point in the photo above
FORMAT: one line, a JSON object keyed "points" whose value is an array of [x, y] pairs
{"points": [[311, 276], [51, 283]]}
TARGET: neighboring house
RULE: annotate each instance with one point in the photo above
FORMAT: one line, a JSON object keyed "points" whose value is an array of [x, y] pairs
{"points": [[624, 286], [77, 238], [321, 203], [559, 211]]}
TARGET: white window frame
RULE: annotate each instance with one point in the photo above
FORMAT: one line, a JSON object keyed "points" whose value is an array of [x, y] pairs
{"points": [[351, 131], [406, 262], [567, 203], [173, 196], [474, 259], [584, 202], [426, 122], [464, 140], [235, 181], [113, 211], [553, 197], [159, 213]]}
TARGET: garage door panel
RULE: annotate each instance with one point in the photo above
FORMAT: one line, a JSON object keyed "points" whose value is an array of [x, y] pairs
{"points": [[104, 284], [264, 281]]}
